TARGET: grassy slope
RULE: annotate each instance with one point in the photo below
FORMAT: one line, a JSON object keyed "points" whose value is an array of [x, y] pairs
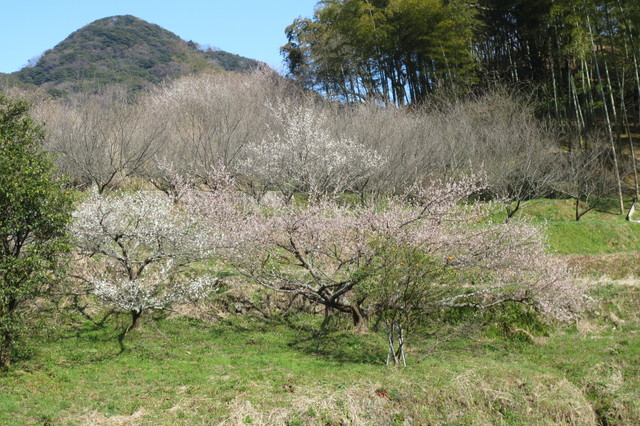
{"points": [[602, 243], [243, 370], [598, 232]]}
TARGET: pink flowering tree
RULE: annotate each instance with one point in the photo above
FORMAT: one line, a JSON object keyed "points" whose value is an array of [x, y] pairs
{"points": [[475, 265], [420, 252], [138, 252]]}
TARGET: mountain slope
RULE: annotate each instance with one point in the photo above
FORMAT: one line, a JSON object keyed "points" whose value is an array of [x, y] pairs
{"points": [[124, 50]]}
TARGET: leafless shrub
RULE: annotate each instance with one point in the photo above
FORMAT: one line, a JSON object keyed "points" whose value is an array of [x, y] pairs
{"points": [[586, 178], [495, 134], [101, 139], [501, 136], [210, 117]]}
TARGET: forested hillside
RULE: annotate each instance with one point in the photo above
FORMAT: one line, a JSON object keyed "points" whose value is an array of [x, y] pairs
{"points": [[124, 50]]}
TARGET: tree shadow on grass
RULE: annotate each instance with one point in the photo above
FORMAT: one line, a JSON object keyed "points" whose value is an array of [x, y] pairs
{"points": [[91, 341], [345, 347], [611, 206], [342, 345]]}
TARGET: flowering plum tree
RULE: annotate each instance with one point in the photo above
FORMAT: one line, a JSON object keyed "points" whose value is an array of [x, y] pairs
{"points": [[472, 266], [140, 249], [315, 252], [410, 254], [302, 157]]}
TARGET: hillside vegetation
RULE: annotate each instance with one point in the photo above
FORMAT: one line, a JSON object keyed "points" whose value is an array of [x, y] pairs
{"points": [[247, 355], [124, 50]]}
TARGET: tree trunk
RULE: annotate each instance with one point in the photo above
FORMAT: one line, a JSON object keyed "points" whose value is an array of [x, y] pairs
{"points": [[395, 336], [359, 319], [607, 119], [6, 346], [135, 316], [627, 127], [511, 210]]}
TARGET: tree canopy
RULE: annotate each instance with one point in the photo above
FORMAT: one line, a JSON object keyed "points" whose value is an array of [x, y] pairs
{"points": [[396, 50], [35, 211], [578, 58], [400, 51]]}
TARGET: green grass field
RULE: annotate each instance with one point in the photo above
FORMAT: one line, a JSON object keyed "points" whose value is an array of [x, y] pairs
{"points": [[282, 371], [286, 369], [598, 232]]}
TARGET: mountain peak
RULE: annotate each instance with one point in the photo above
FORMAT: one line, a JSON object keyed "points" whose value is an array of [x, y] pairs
{"points": [[124, 50]]}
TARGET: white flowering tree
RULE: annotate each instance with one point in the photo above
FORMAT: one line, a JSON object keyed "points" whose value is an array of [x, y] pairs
{"points": [[414, 254], [301, 156], [140, 250]]}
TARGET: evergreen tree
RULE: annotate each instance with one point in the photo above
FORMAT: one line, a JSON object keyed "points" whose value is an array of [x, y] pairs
{"points": [[35, 211]]}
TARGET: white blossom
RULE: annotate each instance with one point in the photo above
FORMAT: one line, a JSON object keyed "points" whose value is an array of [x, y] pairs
{"points": [[141, 248], [302, 156]]}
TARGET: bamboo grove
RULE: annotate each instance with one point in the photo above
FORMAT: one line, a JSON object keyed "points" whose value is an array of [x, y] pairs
{"points": [[580, 59]]}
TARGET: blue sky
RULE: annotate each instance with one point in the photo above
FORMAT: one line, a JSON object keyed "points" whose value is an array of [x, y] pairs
{"points": [[251, 28]]}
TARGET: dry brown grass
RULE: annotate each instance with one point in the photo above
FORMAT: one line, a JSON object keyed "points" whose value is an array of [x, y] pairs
{"points": [[473, 397], [617, 266], [97, 418]]}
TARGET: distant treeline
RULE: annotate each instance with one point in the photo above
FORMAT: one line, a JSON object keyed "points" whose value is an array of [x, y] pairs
{"points": [[402, 51]]}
